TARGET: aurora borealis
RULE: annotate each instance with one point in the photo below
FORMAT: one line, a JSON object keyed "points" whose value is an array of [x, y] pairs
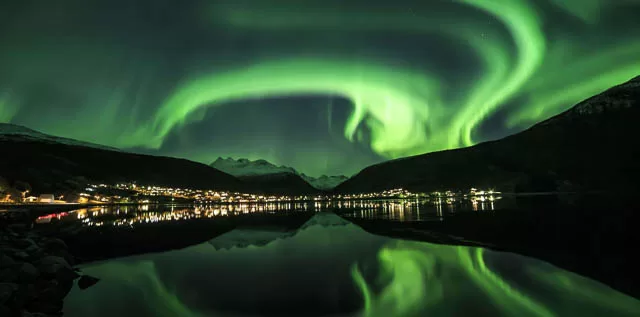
{"points": [[340, 270], [325, 86]]}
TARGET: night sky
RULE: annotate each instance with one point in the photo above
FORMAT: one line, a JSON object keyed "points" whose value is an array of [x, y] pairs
{"points": [[325, 86]]}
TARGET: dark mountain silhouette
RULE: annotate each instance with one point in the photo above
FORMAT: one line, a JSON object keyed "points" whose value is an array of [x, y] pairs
{"points": [[51, 164], [592, 146]]}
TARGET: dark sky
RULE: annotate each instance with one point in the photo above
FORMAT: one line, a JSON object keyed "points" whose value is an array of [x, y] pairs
{"points": [[325, 86]]}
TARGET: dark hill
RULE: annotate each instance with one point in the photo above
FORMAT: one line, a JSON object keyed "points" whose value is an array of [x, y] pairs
{"points": [[592, 146], [49, 166]]}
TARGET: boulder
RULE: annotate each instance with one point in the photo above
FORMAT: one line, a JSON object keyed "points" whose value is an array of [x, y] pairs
{"points": [[33, 249], [24, 243], [65, 274], [21, 255], [6, 291], [4, 310], [28, 273], [6, 261], [51, 264], [54, 244], [8, 275]]}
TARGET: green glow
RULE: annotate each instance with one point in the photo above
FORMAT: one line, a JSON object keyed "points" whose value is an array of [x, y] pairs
{"points": [[8, 107], [307, 76], [398, 105], [499, 290], [522, 61], [411, 282], [403, 278], [587, 10], [405, 265]]}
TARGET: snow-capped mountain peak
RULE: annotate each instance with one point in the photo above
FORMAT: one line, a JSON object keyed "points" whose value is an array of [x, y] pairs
{"points": [[246, 167], [324, 182]]}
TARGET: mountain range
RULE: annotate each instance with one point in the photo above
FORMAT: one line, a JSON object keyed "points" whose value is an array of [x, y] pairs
{"points": [[593, 146], [262, 169], [590, 147]]}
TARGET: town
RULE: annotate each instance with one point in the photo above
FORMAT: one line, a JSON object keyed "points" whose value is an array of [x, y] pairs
{"points": [[131, 193]]}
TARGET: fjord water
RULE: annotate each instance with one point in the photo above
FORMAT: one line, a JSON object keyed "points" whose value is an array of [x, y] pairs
{"points": [[331, 267]]}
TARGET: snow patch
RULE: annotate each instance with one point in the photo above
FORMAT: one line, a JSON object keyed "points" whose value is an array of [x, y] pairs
{"points": [[245, 167]]}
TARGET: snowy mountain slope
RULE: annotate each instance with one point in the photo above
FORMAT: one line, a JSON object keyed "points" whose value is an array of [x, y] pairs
{"points": [[19, 133], [324, 182], [242, 238], [244, 167]]}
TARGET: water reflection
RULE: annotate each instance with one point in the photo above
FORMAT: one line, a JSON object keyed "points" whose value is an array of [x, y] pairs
{"points": [[392, 209], [332, 267]]}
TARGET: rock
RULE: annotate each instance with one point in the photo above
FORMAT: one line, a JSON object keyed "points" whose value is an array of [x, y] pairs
{"points": [[66, 274], [33, 249], [28, 273], [63, 254], [54, 244], [17, 227], [51, 264], [8, 275], [25, 243], [6, 261], [22, 295], [87, 281], [48, 291], [21, 255], [46, 307], [4, 310], [6, 291]]}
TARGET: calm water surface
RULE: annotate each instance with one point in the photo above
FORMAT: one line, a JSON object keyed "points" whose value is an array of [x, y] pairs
{"points": [[332, 267], [390, 209], [325, 267]]}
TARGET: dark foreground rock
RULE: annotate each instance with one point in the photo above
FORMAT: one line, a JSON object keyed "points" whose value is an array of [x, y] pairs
{"points": [[36, 273]]}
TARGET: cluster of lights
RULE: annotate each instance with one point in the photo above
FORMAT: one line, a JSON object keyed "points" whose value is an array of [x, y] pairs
{"points": [[133, 193], [198, 195], [405, 194], [389, 208]]}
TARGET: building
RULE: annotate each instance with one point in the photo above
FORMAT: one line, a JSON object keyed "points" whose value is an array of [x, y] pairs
{"points": [[46, 198], [31, 199]]}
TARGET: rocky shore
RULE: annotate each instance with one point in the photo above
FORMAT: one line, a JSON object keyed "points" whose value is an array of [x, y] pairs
{"points": [[36, 273]]}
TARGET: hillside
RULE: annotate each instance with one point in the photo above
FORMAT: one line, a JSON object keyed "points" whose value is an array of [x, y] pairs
{"points": [[17, 133], [52, 166], [592, 146]]}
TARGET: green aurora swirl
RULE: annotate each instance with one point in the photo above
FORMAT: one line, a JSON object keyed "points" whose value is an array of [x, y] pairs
{"points": [[399, 105], [394, 278], [526, 61]]}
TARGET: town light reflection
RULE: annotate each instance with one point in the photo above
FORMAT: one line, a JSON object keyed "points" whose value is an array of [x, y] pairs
{"points": [[398, 209]]}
